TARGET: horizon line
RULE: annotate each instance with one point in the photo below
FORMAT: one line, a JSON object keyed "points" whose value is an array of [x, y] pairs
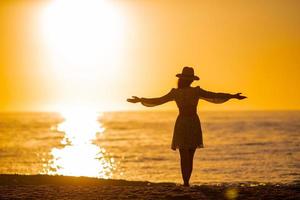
{"points": [[157, 110]]}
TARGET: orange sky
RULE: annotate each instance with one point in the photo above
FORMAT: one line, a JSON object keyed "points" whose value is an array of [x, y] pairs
{"points": [[55, 54]]}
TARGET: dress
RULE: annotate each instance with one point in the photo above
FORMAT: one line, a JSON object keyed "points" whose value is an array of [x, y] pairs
{"points": [[187, 132]]}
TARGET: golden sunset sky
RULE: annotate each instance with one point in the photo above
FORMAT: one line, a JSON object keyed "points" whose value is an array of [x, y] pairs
{"points": [[68, 53]]}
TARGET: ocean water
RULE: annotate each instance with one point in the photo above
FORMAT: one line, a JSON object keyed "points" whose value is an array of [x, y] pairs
{"points": [[239, 146]]}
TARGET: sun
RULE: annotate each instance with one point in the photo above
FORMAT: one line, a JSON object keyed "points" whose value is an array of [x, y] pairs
{"points": [[83, 40], [83, 36]]}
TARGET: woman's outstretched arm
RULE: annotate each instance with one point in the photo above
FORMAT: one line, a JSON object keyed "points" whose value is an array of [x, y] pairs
{"points": [[150, 102], [219, 97]]}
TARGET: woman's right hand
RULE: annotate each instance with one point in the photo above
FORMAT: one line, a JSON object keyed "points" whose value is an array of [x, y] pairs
{"points": [[134, 99], [239, 96]]}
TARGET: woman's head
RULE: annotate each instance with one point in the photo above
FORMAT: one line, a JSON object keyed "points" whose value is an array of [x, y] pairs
{"points": [[187, 73], [183, 83], [186, 77]]}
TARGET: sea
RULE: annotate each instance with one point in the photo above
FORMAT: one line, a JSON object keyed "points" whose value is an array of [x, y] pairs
{"points": [[239, 146]]}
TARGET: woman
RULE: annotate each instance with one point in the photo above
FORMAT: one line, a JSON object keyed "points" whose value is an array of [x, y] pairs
{"points": [[187, 134]]}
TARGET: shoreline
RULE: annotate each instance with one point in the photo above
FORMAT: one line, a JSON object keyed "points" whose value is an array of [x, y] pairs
{"points": [[13, 186]]}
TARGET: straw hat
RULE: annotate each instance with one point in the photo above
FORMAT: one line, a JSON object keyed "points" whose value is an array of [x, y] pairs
{"points": [[187, 73]]}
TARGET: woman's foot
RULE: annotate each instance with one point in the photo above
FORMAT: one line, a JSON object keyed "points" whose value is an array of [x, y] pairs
{"points": [[186, 185]]}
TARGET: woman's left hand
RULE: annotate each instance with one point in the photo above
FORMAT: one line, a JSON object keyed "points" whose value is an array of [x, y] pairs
{"points": [[134, 99]]}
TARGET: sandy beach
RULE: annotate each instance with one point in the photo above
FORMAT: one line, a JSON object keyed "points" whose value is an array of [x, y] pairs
{"points": [[63, 187]]}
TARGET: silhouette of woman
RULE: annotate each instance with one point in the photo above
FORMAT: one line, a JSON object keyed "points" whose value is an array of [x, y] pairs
{"points": [[187, 135]]}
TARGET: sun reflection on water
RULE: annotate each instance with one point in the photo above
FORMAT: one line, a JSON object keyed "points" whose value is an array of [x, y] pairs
{"points": [[79, 156]]}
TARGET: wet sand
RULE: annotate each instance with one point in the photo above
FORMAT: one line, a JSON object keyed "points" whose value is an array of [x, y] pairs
{"points": [[63, 187]]}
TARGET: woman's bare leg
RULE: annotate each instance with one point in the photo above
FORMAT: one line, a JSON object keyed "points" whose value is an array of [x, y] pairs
{"points": [[185, 165], [191, 158], [186, 160]]}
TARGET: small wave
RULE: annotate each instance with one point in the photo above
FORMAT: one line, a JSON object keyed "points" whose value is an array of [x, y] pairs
{"points": [[256, 143], [153, 159]]}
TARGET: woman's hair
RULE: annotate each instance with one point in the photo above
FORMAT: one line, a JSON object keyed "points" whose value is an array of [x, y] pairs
{"points": [[183, 83]]}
